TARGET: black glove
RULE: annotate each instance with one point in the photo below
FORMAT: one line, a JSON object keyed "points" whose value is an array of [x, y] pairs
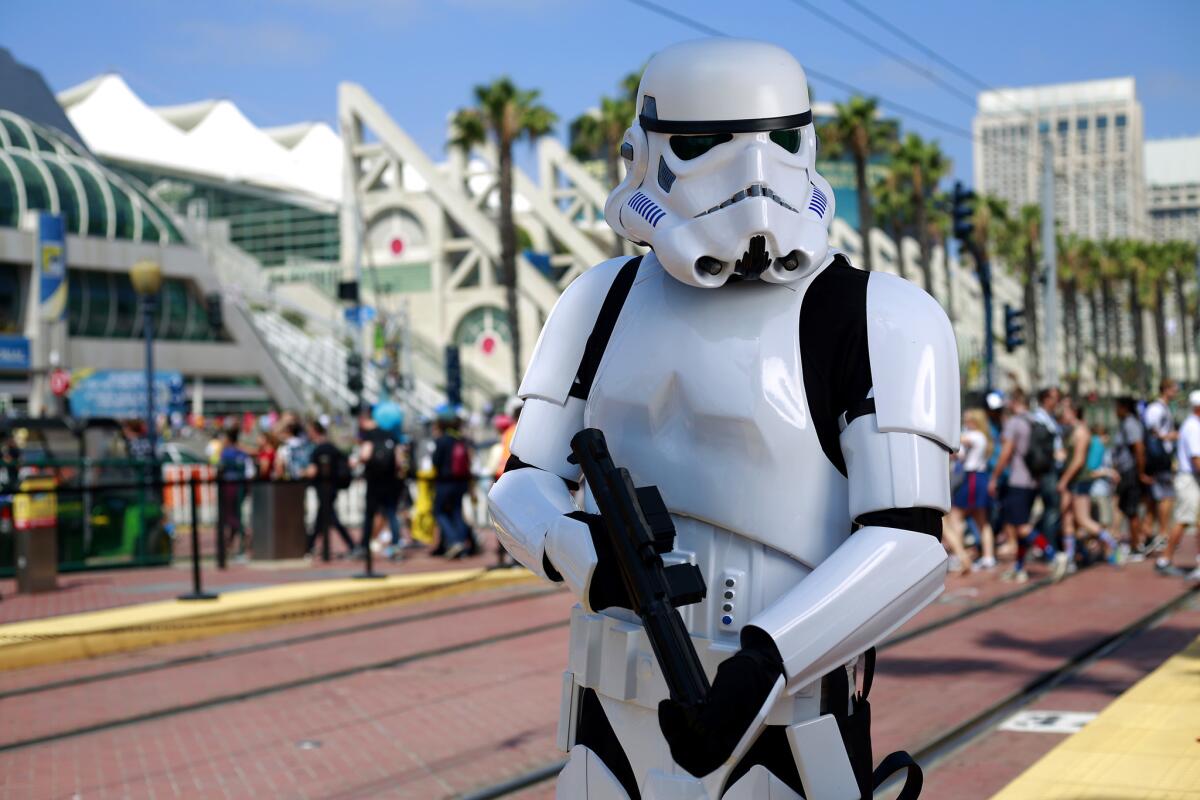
{"points": [[702, 736]]}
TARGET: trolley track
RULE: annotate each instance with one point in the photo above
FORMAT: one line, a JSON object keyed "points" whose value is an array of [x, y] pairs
{"points": [[536, 776], [258, 647], [282, 686], [930, 753]]}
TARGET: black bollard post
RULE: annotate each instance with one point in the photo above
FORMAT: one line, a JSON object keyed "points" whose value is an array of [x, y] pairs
{"points": [[197, 592], [221, 511], [324, 516]]}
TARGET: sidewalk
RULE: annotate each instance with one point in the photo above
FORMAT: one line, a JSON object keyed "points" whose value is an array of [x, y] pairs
{"points": [[97, 589]]}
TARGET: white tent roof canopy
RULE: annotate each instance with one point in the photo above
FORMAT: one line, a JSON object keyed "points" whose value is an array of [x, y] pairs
{"points": [[209, 138], [214, 139]]}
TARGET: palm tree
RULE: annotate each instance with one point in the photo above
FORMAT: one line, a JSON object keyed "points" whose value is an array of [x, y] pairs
{"points": [[920, 165], [1183, 264], [1089, 284], [892, 211], [1158, 271], [856, 131], [504, 113], [1111, 273], [1071, 269], [1133, 266], [1027, 252], [596, 134]]}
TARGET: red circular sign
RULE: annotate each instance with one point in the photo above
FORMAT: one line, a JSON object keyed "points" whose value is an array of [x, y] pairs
{"points": [[60, 382], [397, 246], [488, 345]]}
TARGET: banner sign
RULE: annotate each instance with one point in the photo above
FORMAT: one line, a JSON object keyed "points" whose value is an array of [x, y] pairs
{"points": [[121, 393], [14, 353], [52, 265]]}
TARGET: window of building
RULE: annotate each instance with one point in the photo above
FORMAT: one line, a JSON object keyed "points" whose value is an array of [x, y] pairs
{"points": [[37, 193], [16, 136], [97, 205], [68, 200], [9, 199], [125, 212], [1120, 120]]}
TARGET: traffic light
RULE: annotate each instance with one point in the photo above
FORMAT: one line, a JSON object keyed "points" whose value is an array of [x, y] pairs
{"points": [[963, 212], [354, 372], [453, 376], [1014, 327]]}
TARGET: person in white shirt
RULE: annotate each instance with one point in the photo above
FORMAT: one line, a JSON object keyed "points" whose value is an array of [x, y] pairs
{"points": [[971, 494], [1187, 487], [1160, 494]]}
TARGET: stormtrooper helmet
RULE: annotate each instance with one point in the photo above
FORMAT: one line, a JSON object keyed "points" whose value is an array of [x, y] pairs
{"points": [[721, 177]]}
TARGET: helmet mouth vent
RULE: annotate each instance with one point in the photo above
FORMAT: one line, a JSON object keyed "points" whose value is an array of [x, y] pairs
{"points": [[753, 190]]}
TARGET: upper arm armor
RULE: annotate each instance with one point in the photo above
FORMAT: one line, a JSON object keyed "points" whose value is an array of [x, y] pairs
{"points": [[914, 361], [564, 337]]}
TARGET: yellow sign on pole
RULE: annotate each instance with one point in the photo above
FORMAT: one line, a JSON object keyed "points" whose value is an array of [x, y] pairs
{"points": [[36, 507]]}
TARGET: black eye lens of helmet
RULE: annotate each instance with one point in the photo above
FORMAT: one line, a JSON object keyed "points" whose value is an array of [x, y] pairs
{"points": [[789, 139], [689, 147]]}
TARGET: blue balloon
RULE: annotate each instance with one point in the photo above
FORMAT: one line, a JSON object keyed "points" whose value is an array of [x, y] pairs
{"points": [[389, 416]]}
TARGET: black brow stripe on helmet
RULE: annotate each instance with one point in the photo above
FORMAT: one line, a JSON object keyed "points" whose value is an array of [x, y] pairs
{"points": [[725, 125]]}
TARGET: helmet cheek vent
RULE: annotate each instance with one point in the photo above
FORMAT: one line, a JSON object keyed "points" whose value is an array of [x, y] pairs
{"points": [[666, 178]]}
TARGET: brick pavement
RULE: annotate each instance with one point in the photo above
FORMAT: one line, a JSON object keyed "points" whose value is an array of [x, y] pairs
{"points": [[34, 715], [444, 725], [422, 730]]}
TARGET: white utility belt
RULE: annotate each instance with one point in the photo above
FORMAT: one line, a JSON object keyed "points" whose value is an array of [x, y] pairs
{"points": [[613, 657]]}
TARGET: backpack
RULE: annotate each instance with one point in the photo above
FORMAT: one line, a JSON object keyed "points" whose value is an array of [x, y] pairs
{"points": [[342, 474], [1039, 458], [382, 463], [460, 460], [233, 467], [1157, 458], [298, 458]]}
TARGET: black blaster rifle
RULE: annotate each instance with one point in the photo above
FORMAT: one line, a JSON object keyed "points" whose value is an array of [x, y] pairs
{"points": [[640, 530]]}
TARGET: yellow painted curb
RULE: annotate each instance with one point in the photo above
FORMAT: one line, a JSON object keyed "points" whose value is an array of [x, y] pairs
{"points": [[1145, 745], [75, 636]]}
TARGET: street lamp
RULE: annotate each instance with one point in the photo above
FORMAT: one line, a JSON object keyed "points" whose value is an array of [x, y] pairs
{"points": [[146, 277]]}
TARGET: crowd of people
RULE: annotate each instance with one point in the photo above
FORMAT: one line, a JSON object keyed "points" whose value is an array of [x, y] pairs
{"points": [[418, 489], [1049, 480]]}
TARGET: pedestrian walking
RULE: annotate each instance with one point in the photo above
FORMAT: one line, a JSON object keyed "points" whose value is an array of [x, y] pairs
{"points": [[1022, 486], [327, 470], [970, 498], [1187, 488], [452, 481], [383, 463], [234, 467], [1044, 462], [1084, 458], [1161, 437], [1129, 459]]}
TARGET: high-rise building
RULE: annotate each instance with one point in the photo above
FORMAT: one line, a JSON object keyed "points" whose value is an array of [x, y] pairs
{"points": [[1173, 188], [1095, 130]]}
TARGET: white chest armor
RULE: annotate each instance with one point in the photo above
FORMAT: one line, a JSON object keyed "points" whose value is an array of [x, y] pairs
{"points": [[701, 394]]}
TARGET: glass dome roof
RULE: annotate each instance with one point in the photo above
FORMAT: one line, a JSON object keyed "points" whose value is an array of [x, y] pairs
{"points": [[41, 169]]}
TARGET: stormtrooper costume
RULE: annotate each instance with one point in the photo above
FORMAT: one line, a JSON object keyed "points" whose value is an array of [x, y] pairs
{"points": [[797, 416]]}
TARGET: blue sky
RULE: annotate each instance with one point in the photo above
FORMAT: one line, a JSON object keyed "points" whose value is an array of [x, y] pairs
{"points": [[281, 60]]}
